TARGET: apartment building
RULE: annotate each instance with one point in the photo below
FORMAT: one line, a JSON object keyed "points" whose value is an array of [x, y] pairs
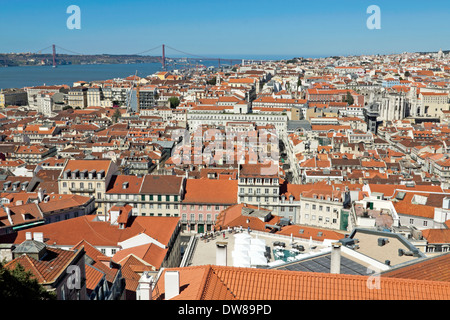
{"points": [[323, 208], [35, 133], [15, 97], [77, 97], [34, 154], [150, 195], [204, 199], [258, 184], [88, 177]]}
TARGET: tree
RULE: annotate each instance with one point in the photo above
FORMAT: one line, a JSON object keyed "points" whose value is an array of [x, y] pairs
{"points": [[212, 81], [20, 284], [116, 115], [174, 102], [349, 99]]}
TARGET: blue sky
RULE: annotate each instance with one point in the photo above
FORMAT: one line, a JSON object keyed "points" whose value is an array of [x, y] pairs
{"points": [[226, 28]]}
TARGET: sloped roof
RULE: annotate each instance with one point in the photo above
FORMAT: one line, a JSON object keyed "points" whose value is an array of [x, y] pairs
{"points": [[434, 269], [212, 282]]}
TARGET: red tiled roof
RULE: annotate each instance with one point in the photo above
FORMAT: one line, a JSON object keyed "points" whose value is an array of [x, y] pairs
{"points": [[212, 282], [211, 191], [434, 269]]}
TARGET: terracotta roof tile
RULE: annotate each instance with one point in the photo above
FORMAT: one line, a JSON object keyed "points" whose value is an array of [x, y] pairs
{"points": [[202, 283]]}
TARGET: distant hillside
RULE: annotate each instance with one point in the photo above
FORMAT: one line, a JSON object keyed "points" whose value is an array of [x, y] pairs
{"points": [[34, 59]]}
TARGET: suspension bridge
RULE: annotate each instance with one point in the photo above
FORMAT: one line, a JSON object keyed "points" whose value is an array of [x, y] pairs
{"points": [[178, 57]]}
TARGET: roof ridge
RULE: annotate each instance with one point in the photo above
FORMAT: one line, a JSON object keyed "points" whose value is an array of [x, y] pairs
{"points": [[207, 279]]}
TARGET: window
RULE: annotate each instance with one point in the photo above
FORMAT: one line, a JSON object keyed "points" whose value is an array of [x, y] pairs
{"points": [[250, 199], [411, 221], [320, 208], [266, 191], [184, 216], [200, 217], [217, 208], [291, 209], [175, 198], [208, 207], [143, 197], [184, 207], [64, 184], [113, 251], [242, 190], [167, 198], [306, 216], [159, 206], [192, 216], [250, 190], [306, 206], [313, 217], [258, 190], [275, 191], [425, 223], [314, 207], [167, 206], [103, 251], [192, 207], [328, 209], [175, 206], [159, 198]]}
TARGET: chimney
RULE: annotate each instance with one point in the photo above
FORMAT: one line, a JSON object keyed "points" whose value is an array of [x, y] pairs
{"points": [[335, 266], [40, 195], [38, 236], [221, 253], [172, 284], [144, 290]]}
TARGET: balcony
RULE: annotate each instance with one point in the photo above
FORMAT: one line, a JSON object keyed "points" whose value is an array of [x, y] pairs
{"points": [[82, 190]]}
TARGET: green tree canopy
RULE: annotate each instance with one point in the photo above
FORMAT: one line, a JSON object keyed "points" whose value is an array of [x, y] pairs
{"points": [[20, 284], [174, 102]]}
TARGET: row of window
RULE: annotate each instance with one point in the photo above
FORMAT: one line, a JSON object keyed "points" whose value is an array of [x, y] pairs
{"points": [[200, 207], [258, 199], [143, 197], [320, 218], [258, 190], [199, 218], [425, 223], [90, 185], [259, 180], [314, 207]]}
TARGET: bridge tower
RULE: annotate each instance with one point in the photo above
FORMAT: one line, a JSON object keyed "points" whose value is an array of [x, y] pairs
{"points": [[54, 56]]}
